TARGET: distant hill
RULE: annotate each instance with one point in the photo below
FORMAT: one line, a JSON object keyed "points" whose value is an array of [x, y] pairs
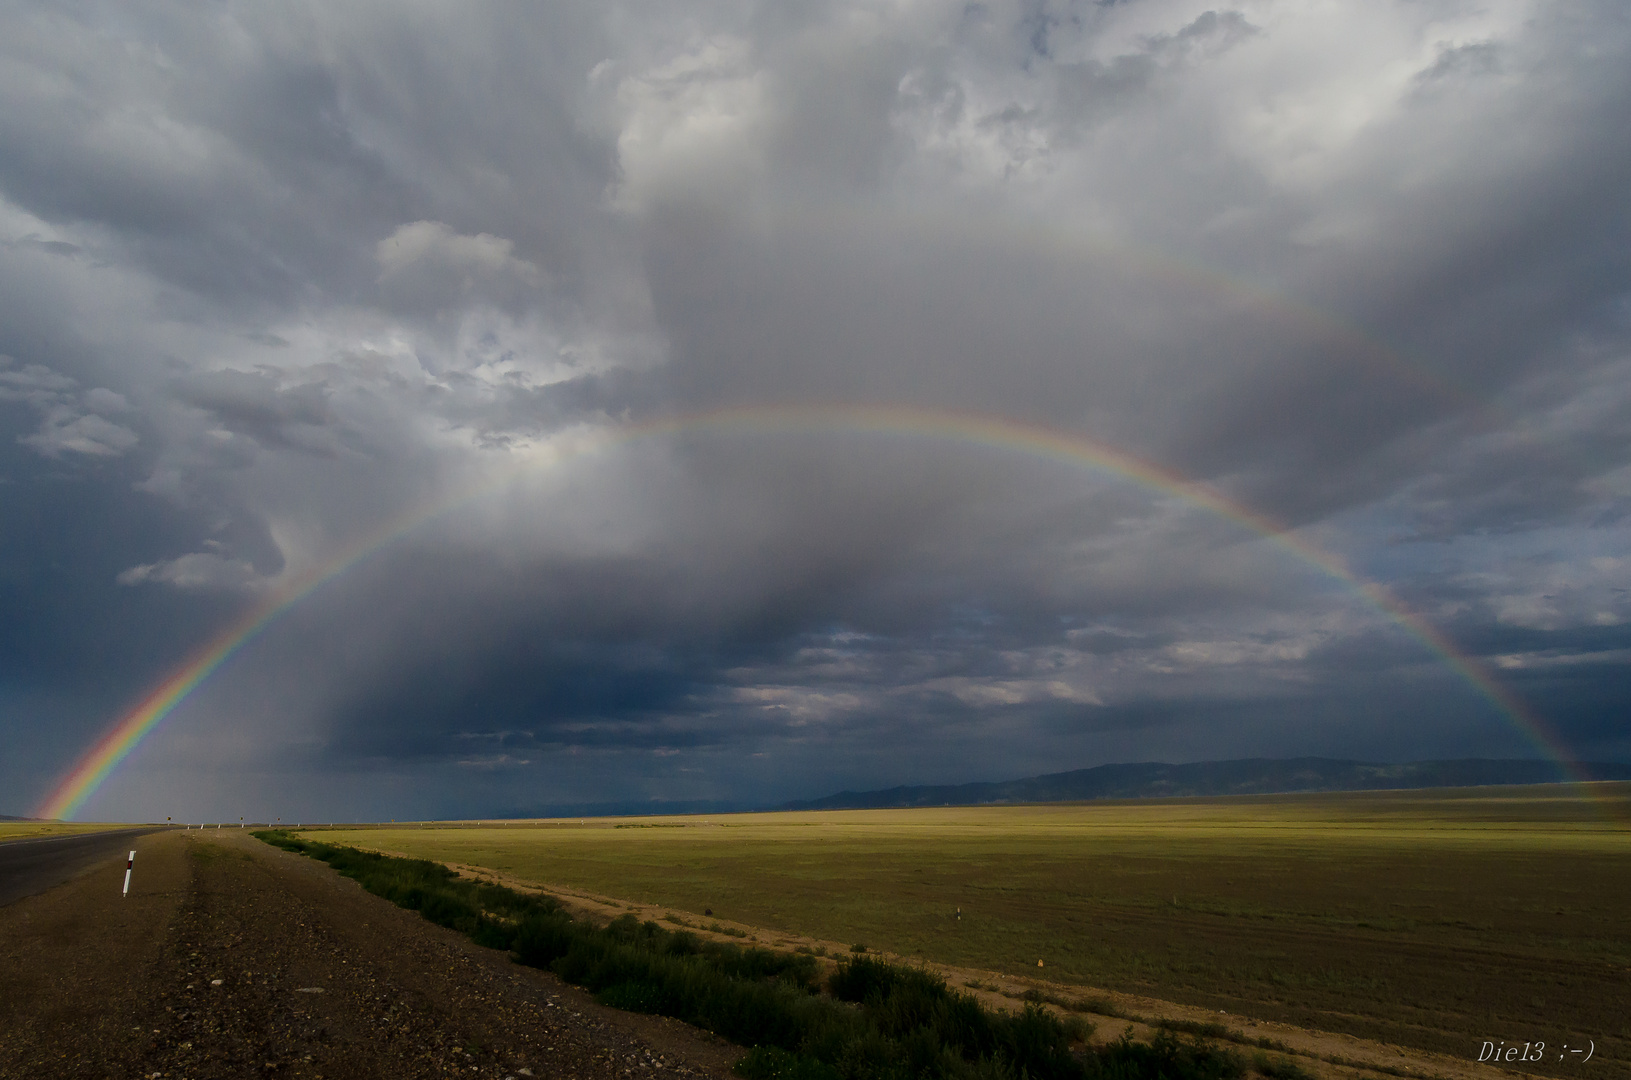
{"points": [[625, 808], [1249, 776]]}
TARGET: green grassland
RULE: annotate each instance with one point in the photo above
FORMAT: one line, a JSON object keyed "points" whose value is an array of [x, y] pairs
{"points": [[1429, 919]]}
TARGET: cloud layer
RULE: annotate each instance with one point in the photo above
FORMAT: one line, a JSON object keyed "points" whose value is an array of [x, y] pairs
{"points": [[274, 280]]}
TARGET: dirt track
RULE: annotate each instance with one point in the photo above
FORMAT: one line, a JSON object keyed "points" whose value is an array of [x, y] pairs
{"points": [[232, 959]]}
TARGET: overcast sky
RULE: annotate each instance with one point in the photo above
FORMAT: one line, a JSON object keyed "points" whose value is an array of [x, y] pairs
{"points": [[274, 276]]}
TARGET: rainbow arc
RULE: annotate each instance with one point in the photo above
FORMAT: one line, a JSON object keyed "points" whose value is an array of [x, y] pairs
{"points": [[101, 760]]}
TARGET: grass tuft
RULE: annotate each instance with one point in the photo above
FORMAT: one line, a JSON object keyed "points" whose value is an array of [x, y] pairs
{"points": [[1205, 1029], [1279, 1068]]}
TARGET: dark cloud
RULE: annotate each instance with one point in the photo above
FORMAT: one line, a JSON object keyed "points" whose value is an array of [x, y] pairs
{"points": [[441, 284]]}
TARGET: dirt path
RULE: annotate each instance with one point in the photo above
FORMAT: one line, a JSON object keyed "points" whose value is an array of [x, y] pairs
{"points": [[232, 959]]}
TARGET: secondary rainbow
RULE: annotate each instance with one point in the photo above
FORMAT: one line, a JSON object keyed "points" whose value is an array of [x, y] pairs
{"points": [[99, 762]]}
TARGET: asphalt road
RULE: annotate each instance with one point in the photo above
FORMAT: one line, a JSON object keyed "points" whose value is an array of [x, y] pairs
{"points": [[37, 864]]}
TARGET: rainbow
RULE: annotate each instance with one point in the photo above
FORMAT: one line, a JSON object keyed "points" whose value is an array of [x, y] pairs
{"points": [[1071, 448]]}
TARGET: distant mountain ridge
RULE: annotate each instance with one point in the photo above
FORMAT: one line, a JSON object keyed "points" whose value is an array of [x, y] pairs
{"points": [[1247, 776]]}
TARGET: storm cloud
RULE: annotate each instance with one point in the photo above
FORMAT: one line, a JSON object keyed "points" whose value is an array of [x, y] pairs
{"points": [[558, 311]]}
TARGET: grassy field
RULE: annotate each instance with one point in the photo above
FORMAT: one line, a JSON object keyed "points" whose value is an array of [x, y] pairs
{"points": [[1430, 919]]}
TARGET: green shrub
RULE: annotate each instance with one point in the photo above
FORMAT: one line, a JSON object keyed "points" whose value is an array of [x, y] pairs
{"points": [[771, 1063], [1209, 1029], [1165, 1056], [1279, 1068]]}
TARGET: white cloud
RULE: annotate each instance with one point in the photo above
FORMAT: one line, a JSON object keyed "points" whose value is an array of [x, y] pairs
{"points": [[426, 264], [692, 124], [69, 423], [63, 431], [38, 386], [987, 693], [197, 570], [1236, 651]]}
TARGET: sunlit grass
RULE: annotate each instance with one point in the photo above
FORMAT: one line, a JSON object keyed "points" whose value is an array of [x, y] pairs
{"points": [[1426, 918]]}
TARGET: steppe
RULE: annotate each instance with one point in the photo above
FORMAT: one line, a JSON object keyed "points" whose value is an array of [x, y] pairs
{"points": [[1436, 921]]}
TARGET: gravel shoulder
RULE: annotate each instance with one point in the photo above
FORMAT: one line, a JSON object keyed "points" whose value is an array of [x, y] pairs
{"points": [[230, 958]]}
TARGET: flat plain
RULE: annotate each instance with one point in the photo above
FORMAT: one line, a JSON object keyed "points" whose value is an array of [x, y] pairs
{"points": [[1436, 920]]}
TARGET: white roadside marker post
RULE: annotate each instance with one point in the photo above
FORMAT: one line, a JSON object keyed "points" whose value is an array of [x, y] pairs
{"points": [[130, 862]]}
